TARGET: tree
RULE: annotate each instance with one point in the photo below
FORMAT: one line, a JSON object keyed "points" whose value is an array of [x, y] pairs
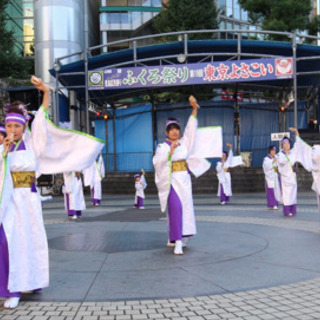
{"points": [[11, 64], [278, 15], [313, 28], [181, 15]]}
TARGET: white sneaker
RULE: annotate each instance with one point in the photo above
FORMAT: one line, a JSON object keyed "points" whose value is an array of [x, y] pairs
{"points": [[178, 248], [223, 202], [74, 217], [142, 208], [11, 303], [275, 208]]}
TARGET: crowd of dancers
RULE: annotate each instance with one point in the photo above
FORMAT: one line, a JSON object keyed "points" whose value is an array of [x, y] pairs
{"points": [[27, 152]]}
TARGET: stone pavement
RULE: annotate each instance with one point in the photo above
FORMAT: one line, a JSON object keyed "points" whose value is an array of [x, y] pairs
{"points": [[246, 262]]}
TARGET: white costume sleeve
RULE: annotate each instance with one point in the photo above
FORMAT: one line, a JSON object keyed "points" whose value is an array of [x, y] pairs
{"points": [[162, 165], [303, 153], [61, 150], [189, 134], [144, 182], [100, 167], [89, 175], [68, 178]]}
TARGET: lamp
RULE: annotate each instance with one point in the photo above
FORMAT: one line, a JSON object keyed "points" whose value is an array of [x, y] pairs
{"points": [[181, 57]]}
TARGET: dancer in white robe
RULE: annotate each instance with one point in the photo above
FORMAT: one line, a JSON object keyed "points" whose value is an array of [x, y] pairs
{"points": [[309, 157], [272, 185], [3, 135], [173, 161], [73, 194], [93, 177], [224, 176], [140, 185], [46, 150], [286, 160]]}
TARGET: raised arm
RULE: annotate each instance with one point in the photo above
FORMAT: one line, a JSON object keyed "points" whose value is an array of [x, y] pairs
{"points": [[37, 82]]}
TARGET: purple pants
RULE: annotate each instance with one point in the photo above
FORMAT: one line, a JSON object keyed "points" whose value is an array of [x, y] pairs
{"points": [[290, 209], [139, 202], [94, 201], [72, 212], [175, 216], [271, 200], [223, 197], [4, 267]]}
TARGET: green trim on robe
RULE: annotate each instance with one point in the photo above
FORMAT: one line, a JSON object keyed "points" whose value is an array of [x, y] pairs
{"points": [[70, 130]]}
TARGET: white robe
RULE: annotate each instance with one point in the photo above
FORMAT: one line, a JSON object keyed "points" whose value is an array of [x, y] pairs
{"points": [[181, 180], [48, 151], [140, 186], [287, 176], [225, 177], [93, 177], [271, 176], [310, 159], [73, 187]]}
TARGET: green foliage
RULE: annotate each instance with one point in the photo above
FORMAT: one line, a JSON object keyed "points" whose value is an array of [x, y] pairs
{"points": [[313, 28], [11, 64], [278, 15], [181, 15]]}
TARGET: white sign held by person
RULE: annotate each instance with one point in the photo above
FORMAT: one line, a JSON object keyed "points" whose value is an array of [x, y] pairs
{"points": [[278, 136]]}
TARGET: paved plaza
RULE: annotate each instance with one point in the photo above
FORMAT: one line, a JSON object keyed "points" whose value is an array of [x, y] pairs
{"points": [[246, 262]]}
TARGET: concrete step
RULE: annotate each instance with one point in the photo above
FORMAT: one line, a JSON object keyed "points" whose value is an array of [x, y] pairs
{"points": [[243, 180]]}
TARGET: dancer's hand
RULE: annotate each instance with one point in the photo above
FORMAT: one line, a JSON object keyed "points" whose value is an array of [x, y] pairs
{"points": [[295, 131], [194, 104], [229, 145], [7, 143], [173, 147], [37, 82]]}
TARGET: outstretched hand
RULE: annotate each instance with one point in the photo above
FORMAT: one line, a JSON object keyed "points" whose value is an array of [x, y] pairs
{"points": [[229, 145], [193, 102], [295, 131], [37, 82]]}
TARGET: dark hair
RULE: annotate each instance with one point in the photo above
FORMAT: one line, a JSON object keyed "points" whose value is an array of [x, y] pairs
{"points": [[14, 107], [3, 133], [225, 153], [271, 148], [172, 125]]}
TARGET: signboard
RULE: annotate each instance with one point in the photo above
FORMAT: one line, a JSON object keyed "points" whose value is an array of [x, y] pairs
{"points": [[191, 74], [278, 136]]}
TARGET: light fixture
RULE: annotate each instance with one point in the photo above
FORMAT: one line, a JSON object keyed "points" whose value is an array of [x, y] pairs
{"points": [[181, 57], [56, 66]]}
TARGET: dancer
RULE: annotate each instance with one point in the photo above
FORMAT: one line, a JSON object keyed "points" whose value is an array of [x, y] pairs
{"points": [[173, 161], [270, 169], [286, 161], [3, 135], [46, 150], [309, 157], [224, 176], [93, 177], [73, 194], [140, 185]]}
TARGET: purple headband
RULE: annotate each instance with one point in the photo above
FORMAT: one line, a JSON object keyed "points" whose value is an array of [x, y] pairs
{"points": [[2, 129], [22, 108], [136, 175], [15, 117], [172, 122], [285, 138]]}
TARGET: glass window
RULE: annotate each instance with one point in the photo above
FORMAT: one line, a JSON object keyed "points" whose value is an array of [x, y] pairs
{"points": [[236, 10]]}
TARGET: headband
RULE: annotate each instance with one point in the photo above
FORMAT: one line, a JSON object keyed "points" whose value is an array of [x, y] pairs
{"points": [[136, 175], [172, 122], [15, 117], [3, 130], [22, 108]]}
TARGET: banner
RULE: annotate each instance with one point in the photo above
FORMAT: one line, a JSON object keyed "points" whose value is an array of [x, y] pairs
{"points": [[191, 74]]}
